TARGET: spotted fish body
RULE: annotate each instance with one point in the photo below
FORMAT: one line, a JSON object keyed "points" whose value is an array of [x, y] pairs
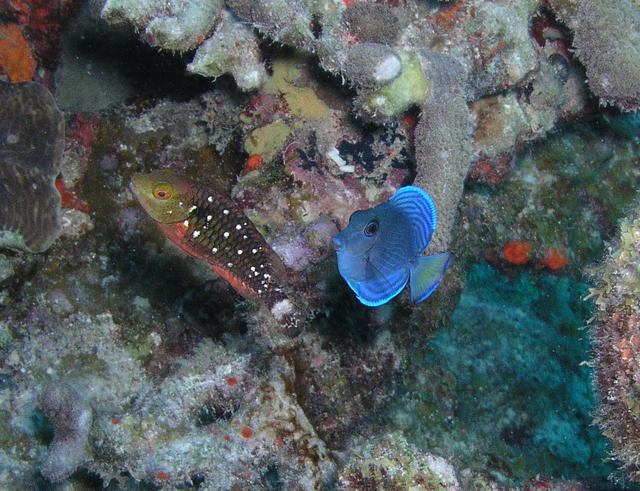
{"points": [[382, 249], [211, 227]]}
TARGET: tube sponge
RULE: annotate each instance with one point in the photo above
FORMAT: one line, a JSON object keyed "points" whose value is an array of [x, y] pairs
{"points": [[71, 417], [31, 145], [607, 41], [443, 144]]}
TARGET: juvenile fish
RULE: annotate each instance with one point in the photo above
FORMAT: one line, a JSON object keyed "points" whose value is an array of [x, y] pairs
{"points": [[381, 249], [210, 227]]}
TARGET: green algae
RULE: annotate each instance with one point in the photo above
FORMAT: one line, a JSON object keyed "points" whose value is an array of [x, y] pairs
{"points": [[505, 388]]}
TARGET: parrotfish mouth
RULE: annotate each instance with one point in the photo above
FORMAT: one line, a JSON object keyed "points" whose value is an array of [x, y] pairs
{"points": [[337, 243]]}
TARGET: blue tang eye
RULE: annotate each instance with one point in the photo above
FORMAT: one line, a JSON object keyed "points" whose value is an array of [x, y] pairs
{"points": [[371, 228]]}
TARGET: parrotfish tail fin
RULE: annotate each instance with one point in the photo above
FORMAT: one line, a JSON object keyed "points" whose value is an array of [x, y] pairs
{"points": [[378, 288], [426, 274], [418, 206]]}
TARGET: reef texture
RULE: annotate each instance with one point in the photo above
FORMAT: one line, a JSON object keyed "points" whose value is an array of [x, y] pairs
{"points": [[607, 42], [616, 341], [31, 145]]}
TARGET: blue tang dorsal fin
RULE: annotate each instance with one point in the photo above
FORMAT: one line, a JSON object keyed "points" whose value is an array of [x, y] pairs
{"points": [[419, 208]]}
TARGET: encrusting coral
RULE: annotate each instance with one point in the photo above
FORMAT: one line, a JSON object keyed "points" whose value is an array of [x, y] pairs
{"points": [[31, 145]]}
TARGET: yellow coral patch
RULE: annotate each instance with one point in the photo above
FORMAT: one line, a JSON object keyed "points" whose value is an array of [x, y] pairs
{"points": [[302, 101]]}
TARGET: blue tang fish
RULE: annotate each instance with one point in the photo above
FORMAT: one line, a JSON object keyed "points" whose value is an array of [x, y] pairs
{"points": [[381, 249]]}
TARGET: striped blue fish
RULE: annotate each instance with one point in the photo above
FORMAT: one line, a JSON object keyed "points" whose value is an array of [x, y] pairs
{"points": [[381, 249]]}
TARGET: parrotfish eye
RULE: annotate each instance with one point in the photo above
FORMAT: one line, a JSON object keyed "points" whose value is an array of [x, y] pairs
{"points": [[162, 192], [371, 228]]}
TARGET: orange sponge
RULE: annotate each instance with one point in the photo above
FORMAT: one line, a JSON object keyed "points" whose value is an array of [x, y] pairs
{"points": [[16, 60]]}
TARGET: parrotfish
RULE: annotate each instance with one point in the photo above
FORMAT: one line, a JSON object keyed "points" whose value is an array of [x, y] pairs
{"points": [[211, 227], [382, 248]]}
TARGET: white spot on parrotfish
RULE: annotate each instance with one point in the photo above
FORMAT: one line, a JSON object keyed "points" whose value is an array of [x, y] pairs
{"points": [[238, 227], [225, 211], [254, 250], [240, 251], [226, 235], [186, 223], [195, 234], [193, 208], [209, 217], [214, 250], [376, 265], [210, 199], [230, 265]]}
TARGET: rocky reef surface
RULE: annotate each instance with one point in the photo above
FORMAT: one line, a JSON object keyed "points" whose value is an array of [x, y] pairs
{"points": [[128, 365]]}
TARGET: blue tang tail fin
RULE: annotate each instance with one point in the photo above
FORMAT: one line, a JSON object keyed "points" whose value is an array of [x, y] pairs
{"points": [[426, 274]]}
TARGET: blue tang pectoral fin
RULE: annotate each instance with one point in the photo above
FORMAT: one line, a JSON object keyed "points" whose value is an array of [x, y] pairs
{"points": [[426, 274], [378, 289]]}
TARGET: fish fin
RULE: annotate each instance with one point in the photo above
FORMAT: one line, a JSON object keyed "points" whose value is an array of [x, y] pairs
{"points": [[426, 274], [379, 289], [418, 206]]}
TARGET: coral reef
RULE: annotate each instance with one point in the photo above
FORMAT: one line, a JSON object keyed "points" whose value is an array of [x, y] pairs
{"points": [[395, 58], [31, 145], [616, 344], [71, 417], [126, 364]]}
